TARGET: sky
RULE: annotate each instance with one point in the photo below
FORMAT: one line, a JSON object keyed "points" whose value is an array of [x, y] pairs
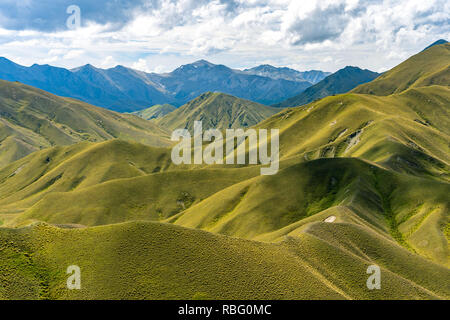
{"points": [[161, 35]]}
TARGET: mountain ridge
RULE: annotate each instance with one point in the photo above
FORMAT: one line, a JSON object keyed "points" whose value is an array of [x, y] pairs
{"points": [[126, 90], [341, 81], [436, 43], [363, 180], [270, 71], [216, 110], [431, 67]]}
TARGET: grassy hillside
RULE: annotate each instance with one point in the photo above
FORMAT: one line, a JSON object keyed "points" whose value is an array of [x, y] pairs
{"points": [[266, 70], [32, 119], [364, 179], [217, 110], [407, 132], [429, 67], [350, 190], [341, 81], [160, 261], [155, 112], [141, 184], [107, 182]]}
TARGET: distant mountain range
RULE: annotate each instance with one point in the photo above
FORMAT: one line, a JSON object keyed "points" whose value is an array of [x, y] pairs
{"points": [[267, 70], [217, 110], [341, 81], [126, 90]]}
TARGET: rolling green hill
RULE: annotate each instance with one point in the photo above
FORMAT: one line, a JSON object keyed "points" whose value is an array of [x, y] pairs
{"points": [[364, 179], [159, 261], [217, 110], [351, 190], [32, 119], [436, 43], [118, 181], [155, 112], [113, 181], [406, 132], [429, 67], [341, 81]]}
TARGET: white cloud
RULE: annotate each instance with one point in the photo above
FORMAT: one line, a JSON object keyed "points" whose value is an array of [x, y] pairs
{"points": [[108, 62], [141, 65], [313, 34], [73, 54]]}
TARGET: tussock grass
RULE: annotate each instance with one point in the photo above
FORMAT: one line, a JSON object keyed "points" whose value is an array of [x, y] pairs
{"points": [[160, 261]]}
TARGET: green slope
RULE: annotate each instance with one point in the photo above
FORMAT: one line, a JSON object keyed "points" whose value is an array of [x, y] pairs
{"points": [[32, 119], [364, 179], [159, 261], [353, 191], [407, 132], [155, 112], [341, 81], [107, 182], [429, 67], [217, 110]]}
